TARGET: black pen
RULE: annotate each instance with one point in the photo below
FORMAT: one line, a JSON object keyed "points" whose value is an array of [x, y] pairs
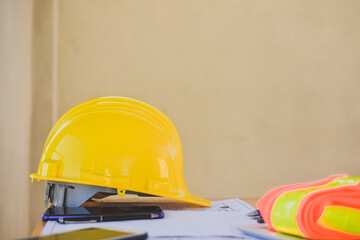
{"points": [[100, 218]]}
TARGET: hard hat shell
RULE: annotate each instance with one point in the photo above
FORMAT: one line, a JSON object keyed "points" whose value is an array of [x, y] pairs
{"points": [[120, 143]]}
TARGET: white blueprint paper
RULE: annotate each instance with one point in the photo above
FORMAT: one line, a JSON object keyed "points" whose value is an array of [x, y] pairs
{"points": [[216, 222]]}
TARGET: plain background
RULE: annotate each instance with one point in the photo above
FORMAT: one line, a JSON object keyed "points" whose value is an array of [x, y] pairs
{"points": [[263, 93]]}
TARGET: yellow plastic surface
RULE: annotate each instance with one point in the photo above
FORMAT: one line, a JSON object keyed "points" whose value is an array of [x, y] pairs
{"points": [[343, 219], [120, 143]]}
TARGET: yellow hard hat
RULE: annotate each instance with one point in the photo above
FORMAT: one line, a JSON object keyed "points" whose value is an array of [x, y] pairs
{"points": [[120, 143]]}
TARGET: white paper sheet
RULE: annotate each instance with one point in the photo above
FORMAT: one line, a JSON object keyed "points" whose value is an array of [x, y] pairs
{"points": [[217, 222]]}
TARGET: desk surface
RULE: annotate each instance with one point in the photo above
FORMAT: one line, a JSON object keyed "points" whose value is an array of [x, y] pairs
{"points": [[135, 201]]}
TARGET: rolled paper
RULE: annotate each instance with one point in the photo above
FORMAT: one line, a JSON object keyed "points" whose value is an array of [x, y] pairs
{"points": [[324, 209]]}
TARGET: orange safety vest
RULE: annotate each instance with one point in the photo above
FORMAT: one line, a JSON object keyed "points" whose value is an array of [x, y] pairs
{"points": [[324, 209]]}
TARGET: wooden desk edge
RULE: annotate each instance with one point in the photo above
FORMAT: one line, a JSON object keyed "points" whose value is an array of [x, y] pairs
{"points": [[39, 227], [41, 224]]}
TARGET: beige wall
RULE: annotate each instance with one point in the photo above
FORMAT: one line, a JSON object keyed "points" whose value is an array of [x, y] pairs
{"points": [[43, 94], [263, 93], [15, 112]]}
